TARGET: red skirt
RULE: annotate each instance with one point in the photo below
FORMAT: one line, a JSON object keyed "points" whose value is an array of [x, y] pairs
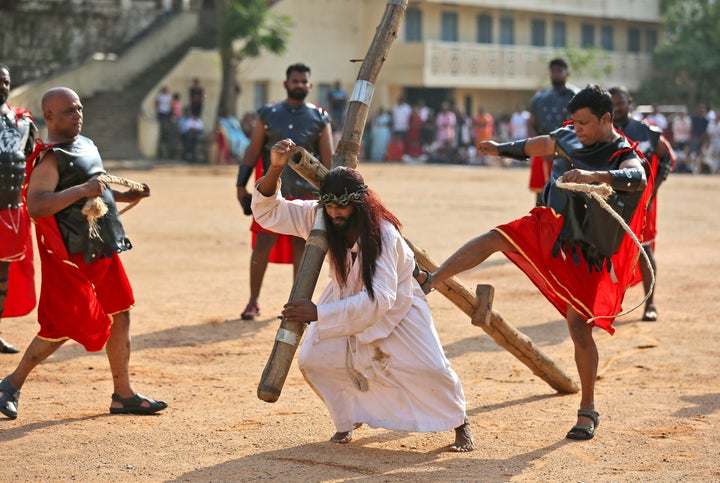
{"points": [[16, 247], [563, 282], [282, 251]]}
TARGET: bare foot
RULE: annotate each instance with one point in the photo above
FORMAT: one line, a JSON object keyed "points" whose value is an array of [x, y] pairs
{"points": [[344, 437], [463, 439]]}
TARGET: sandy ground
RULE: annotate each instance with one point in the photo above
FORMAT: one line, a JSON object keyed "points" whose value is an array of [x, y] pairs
{"points": [[658, 391]]}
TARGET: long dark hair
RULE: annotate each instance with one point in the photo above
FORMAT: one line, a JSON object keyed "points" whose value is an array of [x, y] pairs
{"points": [[367, 218]]}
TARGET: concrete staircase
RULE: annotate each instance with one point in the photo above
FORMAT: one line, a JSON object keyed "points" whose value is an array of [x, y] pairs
{"points": [[111, 116]]}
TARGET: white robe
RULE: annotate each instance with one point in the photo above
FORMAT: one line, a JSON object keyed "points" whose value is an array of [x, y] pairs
{"points": [[387, 346]]}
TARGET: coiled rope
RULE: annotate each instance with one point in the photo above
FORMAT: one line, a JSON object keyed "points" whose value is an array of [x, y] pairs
{"points": [[95, 208], [600, 193]]}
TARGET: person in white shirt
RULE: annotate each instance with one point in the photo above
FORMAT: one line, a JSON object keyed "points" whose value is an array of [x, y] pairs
{"points": [[371, 351], [519, 123], [658, 118]]}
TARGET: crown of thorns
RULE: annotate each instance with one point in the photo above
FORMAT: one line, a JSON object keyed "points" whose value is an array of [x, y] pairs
{"points": [[344, 199]]}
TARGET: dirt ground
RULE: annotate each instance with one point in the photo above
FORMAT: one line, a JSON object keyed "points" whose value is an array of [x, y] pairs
{"points": [[658, 391]]}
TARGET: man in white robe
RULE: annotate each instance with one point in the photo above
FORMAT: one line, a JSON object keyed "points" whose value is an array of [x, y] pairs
{"points": [[371, 352]]}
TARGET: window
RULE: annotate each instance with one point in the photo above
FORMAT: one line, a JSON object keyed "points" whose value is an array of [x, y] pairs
{"points": [[484, 29], [413, 25], [449, 27], [634, 39], [537, 34], [606, 37], [507, 31], [559, 33], [650, 40], [587, 35], [260, 94]]}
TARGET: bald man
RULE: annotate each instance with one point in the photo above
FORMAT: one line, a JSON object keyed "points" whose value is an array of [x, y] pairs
{"points": [[85, 294]]}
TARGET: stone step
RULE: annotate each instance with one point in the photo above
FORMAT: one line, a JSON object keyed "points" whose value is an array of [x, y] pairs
{"points": [[111, 117]]}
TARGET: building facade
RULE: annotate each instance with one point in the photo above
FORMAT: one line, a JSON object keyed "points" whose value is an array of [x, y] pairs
{"points": [[476, 53]]}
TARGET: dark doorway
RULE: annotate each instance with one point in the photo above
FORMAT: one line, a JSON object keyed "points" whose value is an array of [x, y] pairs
{"points": [[434, 97]]}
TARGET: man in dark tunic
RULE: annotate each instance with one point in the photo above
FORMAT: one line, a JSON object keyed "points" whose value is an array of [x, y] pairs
{"points": [[548, 111], [574, 252], [661, 156], [85, 294], [17, 136], [309, 127]]}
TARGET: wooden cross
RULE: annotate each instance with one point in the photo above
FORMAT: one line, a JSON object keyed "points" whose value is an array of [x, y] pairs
{"points": [[478, 307]]}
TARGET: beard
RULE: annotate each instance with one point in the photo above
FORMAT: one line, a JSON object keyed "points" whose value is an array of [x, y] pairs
{"points": [[297, 94], [340, 226]]}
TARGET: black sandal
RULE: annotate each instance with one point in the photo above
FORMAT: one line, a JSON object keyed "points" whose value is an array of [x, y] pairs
{"points": [[133, 405], [582, 431], [9, 399]]}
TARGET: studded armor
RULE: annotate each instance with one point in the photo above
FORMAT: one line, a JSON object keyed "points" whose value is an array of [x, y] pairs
{"points": [[16, 142]]}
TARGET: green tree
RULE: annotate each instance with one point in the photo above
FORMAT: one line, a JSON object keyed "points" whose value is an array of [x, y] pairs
{"points": [[246, 29], [687, 59], [591, 62]]}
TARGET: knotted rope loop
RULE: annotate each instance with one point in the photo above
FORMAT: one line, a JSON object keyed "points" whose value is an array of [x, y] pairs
{"points": [[600, 193], [95, 208]]}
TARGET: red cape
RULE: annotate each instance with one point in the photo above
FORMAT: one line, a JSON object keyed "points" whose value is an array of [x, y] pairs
{"points": [[68, 302], [21, 297]]}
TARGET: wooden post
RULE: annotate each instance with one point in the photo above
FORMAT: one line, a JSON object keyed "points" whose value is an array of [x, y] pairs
{"points": [[289, 335], [349, 146], [479, 308]]}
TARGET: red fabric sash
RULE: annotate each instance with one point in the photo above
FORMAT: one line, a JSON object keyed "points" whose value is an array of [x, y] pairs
{"points": [[68, 302], [21, 298]]}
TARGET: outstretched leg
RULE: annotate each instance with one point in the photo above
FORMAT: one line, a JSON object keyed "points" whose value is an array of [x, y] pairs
{"points": [[471, 254]]}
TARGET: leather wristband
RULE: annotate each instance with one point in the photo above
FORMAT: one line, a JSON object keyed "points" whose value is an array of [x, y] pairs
{"points": [[513, 149], [627, 179], [664, 167], [244, 174]]}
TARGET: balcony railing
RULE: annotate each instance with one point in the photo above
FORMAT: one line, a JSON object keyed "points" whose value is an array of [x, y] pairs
{"points": [[450, 64]]}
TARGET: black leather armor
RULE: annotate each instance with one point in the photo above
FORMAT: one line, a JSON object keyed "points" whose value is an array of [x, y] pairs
{"points": [[303, 124], [587, 226], [16, 141], [78, 161]]}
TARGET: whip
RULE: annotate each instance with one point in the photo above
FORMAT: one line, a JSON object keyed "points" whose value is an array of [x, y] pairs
{"points": [[600, 192]]}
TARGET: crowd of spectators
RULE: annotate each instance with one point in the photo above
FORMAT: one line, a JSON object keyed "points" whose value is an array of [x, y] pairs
{"points": [[417, 134]]}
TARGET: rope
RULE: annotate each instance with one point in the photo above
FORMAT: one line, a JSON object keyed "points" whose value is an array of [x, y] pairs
{"points": [[600, 193], [95, 208]]}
